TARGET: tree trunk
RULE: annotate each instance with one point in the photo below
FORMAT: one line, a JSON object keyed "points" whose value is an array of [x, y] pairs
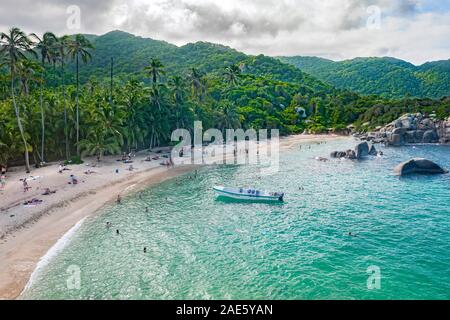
{"points": [[41, 104], [111, 83], [19, 123], [65, 112], [78, 114]]}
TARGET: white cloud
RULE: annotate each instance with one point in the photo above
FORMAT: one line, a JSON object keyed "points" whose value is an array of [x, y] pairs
{"points": [[335, 29]]}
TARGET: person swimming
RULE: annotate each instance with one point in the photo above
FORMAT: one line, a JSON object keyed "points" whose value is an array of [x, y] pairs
{"points": [[145, 249], [117, 232]]}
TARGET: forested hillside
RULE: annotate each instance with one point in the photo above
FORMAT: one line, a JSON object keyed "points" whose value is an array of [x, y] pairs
{"points": [[387, 77]]}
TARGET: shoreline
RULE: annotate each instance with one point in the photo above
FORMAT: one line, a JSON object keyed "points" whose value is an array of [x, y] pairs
{"points": [[23, 248]]}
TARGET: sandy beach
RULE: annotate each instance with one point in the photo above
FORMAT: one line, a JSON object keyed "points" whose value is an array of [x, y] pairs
{"points": [[28, 232]]}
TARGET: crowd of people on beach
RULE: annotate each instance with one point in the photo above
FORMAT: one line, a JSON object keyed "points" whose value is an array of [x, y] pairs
{"points": [[72, 178]]}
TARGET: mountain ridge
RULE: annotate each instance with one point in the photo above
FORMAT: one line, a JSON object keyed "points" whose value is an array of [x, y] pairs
{"points": [[385, 76]]}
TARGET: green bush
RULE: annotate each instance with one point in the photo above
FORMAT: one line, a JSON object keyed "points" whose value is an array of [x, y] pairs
{"points": [[74, 160]]}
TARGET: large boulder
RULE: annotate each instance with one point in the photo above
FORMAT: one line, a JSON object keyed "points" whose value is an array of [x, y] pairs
{"points": [[362, 150], [338, 154], [410, 137], [397, 140], [426, 124], [397, 123], [430, 136], [350, 154], [419, 166], [418, 135], [399, 131], [372, 150]]}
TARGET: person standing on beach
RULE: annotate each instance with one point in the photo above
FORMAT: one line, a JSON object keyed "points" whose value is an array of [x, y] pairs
{"points": [[119, 199], [2, 181], [25, 185]]}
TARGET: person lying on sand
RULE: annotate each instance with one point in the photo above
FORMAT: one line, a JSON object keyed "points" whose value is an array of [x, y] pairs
{"points": [[32, 202], [48, 192], [131, 168], [148, 159], [62, 168], [73, 180], [89, 172]]}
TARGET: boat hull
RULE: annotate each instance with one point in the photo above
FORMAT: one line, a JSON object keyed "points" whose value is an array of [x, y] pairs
{"points": [[232, 194]]}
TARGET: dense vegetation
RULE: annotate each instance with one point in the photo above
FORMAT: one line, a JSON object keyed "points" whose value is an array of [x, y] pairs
{"points": [[387, 77], [66, 97]]}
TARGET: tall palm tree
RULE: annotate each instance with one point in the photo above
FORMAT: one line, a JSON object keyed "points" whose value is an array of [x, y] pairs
{"points": [[61, 46], [136, 127], [155, 70], [45, 47], [156, 96], [15, 44], [176, 85], [197, 83], [232, 74], [78, 48]]}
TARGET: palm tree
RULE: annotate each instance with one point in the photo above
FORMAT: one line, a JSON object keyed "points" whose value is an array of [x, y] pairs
{"points": [[61, 46], [156, 96], [79, 49], [28, 71], [230, 118], [232, 74], [155, 70], [197, 83], [97, 142], [15, 45], [136, 127], [176, 84], [45, 47]]}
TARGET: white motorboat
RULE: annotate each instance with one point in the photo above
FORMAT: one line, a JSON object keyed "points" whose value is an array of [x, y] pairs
{"points": [[249, 194]]}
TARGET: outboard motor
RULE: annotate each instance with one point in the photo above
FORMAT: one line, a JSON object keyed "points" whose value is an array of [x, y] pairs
{"points": [[281, 198]]}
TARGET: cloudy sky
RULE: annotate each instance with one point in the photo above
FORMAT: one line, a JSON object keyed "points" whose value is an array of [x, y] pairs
{"points": [[413, 30]]}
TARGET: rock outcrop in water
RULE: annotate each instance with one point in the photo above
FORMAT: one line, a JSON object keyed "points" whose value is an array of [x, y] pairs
{"points": [[362, 150], [411, 128], [419, 166]]}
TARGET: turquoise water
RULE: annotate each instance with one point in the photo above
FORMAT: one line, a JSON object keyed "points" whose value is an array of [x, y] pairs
{"points": [[203, 248]]}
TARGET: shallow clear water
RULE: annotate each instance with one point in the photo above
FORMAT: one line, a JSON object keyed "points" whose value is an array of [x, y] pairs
{"points": [[203, 248]]}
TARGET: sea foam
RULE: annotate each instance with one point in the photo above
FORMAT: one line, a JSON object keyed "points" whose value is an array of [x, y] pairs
{"points": [[52, 253]]}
